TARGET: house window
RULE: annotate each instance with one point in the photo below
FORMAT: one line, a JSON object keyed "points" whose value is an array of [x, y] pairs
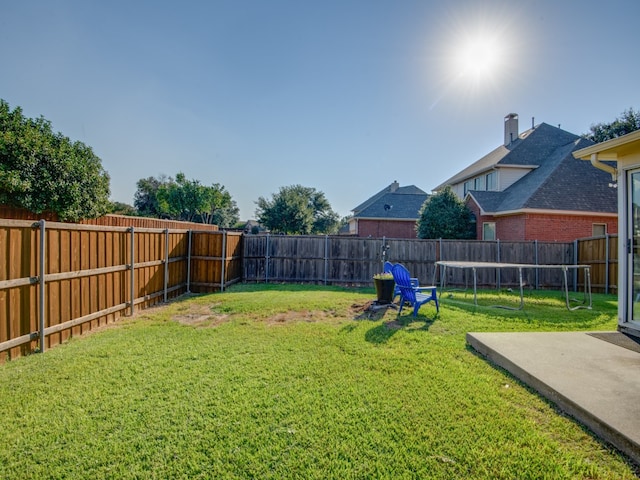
{"points": [[468, 185], [478, 183], [599, 229], [489, 231], [492, 181]]}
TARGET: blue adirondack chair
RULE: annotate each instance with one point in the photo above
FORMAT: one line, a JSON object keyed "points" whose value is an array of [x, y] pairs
{"points": [[388, 268], [415, 296]]}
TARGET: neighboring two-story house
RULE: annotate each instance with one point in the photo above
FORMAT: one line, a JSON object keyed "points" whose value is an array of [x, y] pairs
{"points": [[392, 212], [532, 188]]}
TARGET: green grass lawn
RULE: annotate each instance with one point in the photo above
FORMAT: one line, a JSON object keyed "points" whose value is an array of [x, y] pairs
{"points": [[288, 381]]}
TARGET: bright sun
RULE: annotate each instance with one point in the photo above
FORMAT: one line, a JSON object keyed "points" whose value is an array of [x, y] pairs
{"points": [[478, 58], [477, 54]]}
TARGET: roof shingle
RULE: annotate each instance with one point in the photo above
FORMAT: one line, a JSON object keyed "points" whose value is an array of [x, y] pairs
{"points": [[557, 181], [393, 202]]}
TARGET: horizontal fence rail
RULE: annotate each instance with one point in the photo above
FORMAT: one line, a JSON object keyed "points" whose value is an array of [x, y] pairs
{"points": [[59, 280], [353, 261]]}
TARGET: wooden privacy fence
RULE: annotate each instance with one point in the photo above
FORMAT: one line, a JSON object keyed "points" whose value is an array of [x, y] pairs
{"points": [[65, 279], [601, 253], [354, 260]]}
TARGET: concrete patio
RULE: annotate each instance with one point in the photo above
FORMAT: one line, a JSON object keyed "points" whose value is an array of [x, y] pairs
{"points": [[592, 376]]}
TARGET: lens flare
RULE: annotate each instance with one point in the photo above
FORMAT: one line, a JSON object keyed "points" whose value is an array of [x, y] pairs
{"points": [[478, 58]]}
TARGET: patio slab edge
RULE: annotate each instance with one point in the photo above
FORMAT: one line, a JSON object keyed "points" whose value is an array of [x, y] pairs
{"points": [[531, 358]]}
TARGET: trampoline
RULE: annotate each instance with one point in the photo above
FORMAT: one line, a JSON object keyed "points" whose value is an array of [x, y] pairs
{"points": [[475, 266]]}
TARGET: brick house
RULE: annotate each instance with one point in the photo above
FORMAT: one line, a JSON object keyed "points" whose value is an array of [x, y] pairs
{"points": [[392, 213], [532, 188]]}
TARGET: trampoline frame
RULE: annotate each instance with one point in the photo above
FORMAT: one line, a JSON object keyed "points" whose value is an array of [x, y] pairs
{"points": [[474, 266]]}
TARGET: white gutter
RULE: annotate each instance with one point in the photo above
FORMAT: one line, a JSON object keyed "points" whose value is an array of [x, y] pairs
{"points": [[603, 166]]}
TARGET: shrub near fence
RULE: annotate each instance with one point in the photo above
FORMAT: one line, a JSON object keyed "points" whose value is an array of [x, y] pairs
{"points": [[66, 279]]}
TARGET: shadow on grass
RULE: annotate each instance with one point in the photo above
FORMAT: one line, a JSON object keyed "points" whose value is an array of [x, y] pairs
{"points": [[369, 312], [382, 333], [546, 308]]}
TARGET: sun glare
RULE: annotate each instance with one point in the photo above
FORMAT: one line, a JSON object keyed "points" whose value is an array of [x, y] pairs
{"points": [[478, 58], [478, 53]]}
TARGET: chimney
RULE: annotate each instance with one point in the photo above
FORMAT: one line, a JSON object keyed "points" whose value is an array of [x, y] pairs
{"points": [[394, 186], [510, 128]]}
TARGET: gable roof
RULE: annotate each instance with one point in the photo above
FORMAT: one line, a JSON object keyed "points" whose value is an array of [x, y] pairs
{"points": [[560, 182], [528, 150], [393, 202]]}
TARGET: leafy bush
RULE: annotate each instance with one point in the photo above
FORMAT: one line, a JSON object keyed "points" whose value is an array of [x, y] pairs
{"points": [[44, 171]]}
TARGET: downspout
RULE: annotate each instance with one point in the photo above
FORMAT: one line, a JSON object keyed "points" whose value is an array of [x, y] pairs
{"points": [[603, 166]]}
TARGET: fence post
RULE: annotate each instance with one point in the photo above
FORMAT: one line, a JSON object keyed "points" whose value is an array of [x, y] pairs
{"points": [[266, 261], [189, 263], [384, 252], [437, 274], [166, 262], [224, 260], [535, 255], [326, 258], [498, 270], [43, 309], [606, 263], [575, 261], [132, 245]]}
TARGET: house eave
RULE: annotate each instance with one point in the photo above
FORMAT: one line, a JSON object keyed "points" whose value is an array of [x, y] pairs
{"points": [[542, 211], [377, 219], [483, 171], [527, 167], [610, 150]]}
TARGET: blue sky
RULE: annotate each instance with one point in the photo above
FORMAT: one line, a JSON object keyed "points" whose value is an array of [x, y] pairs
{"points": [[342, 96]]}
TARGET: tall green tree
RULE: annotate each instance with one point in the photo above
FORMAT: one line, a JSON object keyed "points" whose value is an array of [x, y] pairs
{"points": [[297, 210], [184, 199], [443, 215], [220, 209], [628, 122], [120, 208], [146, 197], [43, 171]]}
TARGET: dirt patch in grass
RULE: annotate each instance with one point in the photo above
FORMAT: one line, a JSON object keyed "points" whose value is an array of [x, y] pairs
{"points": [[200, 316], [299, 316], [370, 310]]}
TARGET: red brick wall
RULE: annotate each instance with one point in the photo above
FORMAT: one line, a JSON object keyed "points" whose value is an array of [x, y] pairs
{"points": [[480, 219], [387, 228], [563, 228], [542, 227], [512, 228]]}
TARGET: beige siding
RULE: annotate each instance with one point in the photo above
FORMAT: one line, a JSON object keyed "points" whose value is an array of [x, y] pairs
{"points": [[458, 189], [509, 176]]}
